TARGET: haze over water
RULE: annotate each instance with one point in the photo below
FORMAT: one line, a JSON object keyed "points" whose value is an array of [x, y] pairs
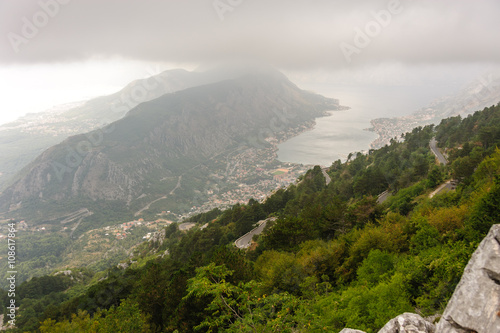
{"points": [[343, 132]]}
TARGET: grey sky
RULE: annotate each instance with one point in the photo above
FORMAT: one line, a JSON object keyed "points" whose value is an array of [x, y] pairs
{"points": [[300, 34], [60, 51]]}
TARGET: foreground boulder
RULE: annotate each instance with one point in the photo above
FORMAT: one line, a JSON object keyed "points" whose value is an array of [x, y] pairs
{"points": [[405, 323], [408, 323], [475, 304]]}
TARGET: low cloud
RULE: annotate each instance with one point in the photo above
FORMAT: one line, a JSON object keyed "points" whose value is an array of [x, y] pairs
{"points": [[294, 35]]}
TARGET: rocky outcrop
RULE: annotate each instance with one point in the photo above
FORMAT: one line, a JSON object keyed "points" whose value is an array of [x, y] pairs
{"points": [[408, 323], [475, 304], [405, 323], [158, 237]]}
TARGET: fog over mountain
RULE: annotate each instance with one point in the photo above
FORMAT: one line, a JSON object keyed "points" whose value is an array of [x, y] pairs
{"points": [[50, 46], [23, 140], [289, 34], [55, 50], [169, 147]]}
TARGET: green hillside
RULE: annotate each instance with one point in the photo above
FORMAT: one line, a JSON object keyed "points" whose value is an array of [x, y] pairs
{"points": [[175, 153], [334, 257]]}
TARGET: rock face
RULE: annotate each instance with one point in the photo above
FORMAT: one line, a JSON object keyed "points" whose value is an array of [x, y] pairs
{"points": [[475, 304], [408, 323], [405, 323]]}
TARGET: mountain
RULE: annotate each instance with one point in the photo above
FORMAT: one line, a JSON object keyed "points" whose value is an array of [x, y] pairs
{"points": [[481, 93], [164, 150], [330, 255], [23, 140]]}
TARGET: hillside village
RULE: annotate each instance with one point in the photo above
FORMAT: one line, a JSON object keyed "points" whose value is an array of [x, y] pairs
{"points": [[250, 173]]}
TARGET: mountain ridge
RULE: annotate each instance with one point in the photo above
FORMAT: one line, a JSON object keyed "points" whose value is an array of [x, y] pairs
{"points": [[331, 257], [36, 132], [167, 137]]}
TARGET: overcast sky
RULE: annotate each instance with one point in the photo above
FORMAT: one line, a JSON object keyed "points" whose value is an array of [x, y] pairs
{"points": [[54, 51]]}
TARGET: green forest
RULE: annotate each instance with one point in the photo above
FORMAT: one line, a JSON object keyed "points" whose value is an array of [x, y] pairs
{"points": [[333, 257]]}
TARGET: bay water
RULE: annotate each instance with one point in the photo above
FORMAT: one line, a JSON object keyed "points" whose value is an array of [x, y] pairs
{"points": [[343, 132]]}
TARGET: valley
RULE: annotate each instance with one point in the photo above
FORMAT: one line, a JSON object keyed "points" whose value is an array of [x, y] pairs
{"points": [[203, 148], [235, 178], [325, 247], [232, 174]]}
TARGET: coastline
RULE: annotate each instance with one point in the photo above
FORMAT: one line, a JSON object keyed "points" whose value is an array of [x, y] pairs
{"points": [[333, 138]]}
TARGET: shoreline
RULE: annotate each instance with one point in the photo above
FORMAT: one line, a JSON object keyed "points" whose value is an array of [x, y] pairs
{"points": [[339, 153]]}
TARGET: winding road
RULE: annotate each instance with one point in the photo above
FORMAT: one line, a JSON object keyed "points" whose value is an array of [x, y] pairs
{"points": [[163, 197], [327, 176], [442, 160], [383, 196], [244, 241], [177, 186], [149, 205], [448, 186], [186, 226], [436, 152]]}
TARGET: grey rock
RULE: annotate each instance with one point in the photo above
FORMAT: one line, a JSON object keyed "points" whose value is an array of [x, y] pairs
{"points": [[158, 237], [350, 330], [408, 323], [66, 273], [475, 304], [123, 265]]}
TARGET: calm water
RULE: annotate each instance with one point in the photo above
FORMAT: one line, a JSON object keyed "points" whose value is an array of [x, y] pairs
{"points": [[342, 132]]}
